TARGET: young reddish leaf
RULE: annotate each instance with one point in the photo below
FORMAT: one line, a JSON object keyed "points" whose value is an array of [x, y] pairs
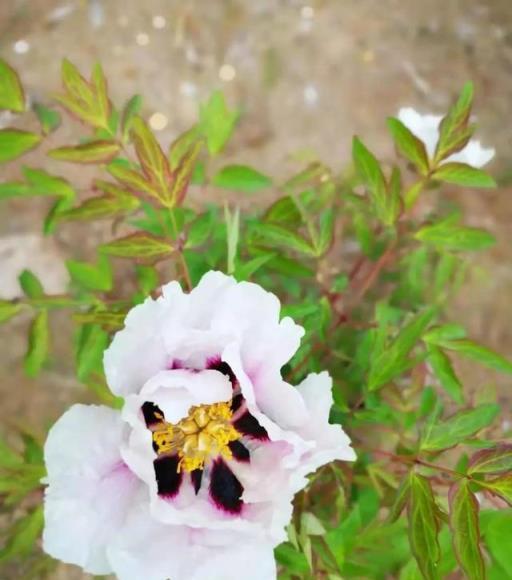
{"points": [[423, 526], [132, 179], [37, 344], [151, 157], [92, 152], [464, 510], [182, 146], [139, 245], [501, 486], [183, 174], [443, 370], [454, 132], [102, 207], [106, 319], [241, 178], [409, 145], [493, 460], [14, 143], [75, 84], [12, 97], [459, 427], [99, 83], [462, 174]]}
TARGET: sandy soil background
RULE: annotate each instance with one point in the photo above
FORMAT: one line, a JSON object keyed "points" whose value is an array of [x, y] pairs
{"points": [[308, 76]]}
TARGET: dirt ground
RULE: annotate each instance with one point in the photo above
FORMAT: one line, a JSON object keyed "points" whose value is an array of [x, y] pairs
{"points": [[308, 75]]}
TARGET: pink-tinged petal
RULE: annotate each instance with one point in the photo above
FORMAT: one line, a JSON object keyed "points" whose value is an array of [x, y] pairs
{"points": [[250, 315], [330, 441], [152, 551], [138, 351], [90, 489]]}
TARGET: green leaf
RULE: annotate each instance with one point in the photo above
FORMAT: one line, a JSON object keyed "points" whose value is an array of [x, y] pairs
{"points": [[440, 334], [462, 174], [371, 174], [423, 526], [394, 201], [8, 458], [101, 151], [409, 145], [241, 178], [245, 270], [91, 276], [232, 236], [14, 143], [138, 245], [92, 342], [401, 499], [216, 122], [200, 230], [48, 118], [501, 486], [459, 427], [147, 278], [42, 183], [273, 235], [497, 540], [37, 344], [393, 360], [14, 189], [326, 232], [479, 353], [284, 212], [464, 510], [8, 310], [12, 97], [23, 536], [448, 236], [30, 284], [443, 370], [493, 460]]}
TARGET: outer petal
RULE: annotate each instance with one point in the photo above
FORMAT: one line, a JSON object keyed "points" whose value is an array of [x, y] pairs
{"points": [[474, 154], [153, 551], [138, 351], [90, 488], [331, 442]]}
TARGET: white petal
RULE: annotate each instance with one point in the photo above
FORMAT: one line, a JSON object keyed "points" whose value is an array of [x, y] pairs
{"points": [[331, 442], [425, 127], [90, 488], [473, 154], [152, 551]]}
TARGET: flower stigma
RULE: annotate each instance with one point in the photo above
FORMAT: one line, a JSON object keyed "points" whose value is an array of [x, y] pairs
{"points": [[206, 432]]}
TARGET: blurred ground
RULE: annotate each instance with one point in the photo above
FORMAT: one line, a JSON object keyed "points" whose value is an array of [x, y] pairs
{"points": [[308, 75]]}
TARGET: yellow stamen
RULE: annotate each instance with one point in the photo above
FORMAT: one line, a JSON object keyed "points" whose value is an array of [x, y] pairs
{"points": [[207, 431]]}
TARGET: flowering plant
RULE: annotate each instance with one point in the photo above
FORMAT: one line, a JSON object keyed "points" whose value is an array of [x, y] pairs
{"points": [[203, 460]]}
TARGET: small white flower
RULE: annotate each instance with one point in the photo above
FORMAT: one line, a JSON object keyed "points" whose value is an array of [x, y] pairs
{"points": [[426, 128], [194, 479]]}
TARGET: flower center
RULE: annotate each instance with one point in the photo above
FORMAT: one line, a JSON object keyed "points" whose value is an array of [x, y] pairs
{"points": [[206, 432]]}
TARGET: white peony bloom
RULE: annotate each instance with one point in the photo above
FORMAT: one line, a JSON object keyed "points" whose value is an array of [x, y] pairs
{"points": [[426, 128], [194, 478]]}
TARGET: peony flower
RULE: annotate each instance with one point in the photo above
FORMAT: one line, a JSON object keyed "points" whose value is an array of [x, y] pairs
{"points": [[194, 478], [426, 128]]}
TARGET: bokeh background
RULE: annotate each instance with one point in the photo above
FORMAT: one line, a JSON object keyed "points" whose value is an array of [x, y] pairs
{"points": [[307, 74]]}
